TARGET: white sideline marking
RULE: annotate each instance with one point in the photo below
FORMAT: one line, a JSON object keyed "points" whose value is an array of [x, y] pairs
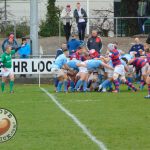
{"points": [[99, 143]]}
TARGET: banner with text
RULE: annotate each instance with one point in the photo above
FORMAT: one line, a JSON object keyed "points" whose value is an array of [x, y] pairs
{"points": [[32, 66]]}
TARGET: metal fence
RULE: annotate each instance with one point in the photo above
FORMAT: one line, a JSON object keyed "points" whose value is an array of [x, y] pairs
{"points": [[114, 26]]}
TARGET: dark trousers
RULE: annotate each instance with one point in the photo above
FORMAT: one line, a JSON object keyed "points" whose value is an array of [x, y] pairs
{"points": [[81, 30], [67, 30]]}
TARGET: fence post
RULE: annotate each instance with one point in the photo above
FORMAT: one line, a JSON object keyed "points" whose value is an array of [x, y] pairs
{"points": [[59, 31], [39, 73], [116, 28], [15, 30]]}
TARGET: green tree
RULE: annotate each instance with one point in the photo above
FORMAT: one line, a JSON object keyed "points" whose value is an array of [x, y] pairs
{"points": [[50, 27], [129, 9]]}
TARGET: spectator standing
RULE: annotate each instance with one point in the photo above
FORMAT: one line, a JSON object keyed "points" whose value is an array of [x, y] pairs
{"points": [[9, 41], [95, 42], [136, 48], [81, 20], [67, 16], [73, 44], [25, 49]]}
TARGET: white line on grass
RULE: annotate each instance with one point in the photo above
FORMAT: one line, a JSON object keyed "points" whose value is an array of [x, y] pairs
{"points": [[76, 121]]}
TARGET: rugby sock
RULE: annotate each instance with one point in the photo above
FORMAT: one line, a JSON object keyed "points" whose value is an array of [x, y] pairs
{"points": [[56, 81], [130, 85], [110, 85], [65, 86], [3, 86], [84, 86], [142, 83], [130, 79], [116, 83], [89, 83], [72, 86], [78, 85], [59, 86], [105, 84], [148, 89], [11, 84]]}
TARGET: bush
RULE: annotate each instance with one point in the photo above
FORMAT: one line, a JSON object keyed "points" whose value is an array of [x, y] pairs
{"points": [[22, 29]]}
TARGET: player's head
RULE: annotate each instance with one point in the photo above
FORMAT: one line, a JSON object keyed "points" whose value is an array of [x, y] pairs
{"points": [[116, 44], [111, 46], [93, 53], [66, 52], [125, 60], [8, 49], [64, 46]]}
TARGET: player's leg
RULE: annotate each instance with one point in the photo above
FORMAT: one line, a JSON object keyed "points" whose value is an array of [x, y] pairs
{"points": [[148, 83], [65, 83], [144, 76], [129, 84], [11, 82], [116, 82], [3, 83]]}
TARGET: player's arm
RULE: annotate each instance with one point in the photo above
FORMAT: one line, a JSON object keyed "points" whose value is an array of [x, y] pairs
{"points": [[107, 66], [131, 61], [81, 64], [13, 51], [66, 67]]}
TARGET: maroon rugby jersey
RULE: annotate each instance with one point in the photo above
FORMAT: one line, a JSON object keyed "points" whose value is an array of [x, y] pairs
{"points": [[138, 63], [115, 57]]}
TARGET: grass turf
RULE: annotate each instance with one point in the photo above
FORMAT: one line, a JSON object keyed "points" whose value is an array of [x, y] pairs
{"points": [[121, 120]]}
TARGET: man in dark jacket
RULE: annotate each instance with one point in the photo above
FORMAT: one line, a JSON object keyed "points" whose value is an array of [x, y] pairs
{"points": [[136, 48], [81, 19], [95, 42]]}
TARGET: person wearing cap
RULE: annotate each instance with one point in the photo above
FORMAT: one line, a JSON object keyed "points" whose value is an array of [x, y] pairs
{"points": [[81, 20], [73, 44], [9, 41], [67, 16], [25, 49], [95, 42]]}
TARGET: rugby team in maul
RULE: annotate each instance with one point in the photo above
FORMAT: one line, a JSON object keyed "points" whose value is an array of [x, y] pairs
{"points": [[87, 70]]}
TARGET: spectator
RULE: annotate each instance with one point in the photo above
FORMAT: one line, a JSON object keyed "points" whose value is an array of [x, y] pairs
{"points": [[148, 39], [9, 41], [60, 50], [25, 50], [73, 44], [67, 16], [81, 19], [136, 48], [95, 42]]}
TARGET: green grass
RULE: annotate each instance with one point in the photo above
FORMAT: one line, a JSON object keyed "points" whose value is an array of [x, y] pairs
{"points": [[121, 121]]}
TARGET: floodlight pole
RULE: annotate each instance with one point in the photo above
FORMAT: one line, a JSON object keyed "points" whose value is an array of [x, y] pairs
{"points": [[88, 13], [34, 26]]}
